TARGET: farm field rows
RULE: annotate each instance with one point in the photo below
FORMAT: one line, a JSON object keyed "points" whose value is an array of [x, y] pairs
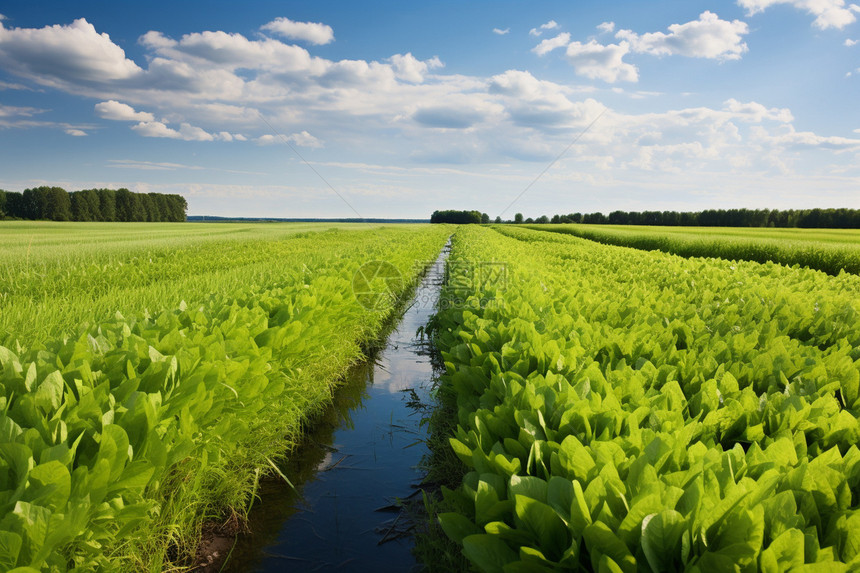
{"points": [[828, 250], [621, 410], [52, 280], [164, 376]]}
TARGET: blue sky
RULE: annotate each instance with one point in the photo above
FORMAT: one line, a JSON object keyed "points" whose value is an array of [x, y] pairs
{"points": [[392, 109]]}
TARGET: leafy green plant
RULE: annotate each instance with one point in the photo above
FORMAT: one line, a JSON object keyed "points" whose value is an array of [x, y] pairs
{"points": [[828, 250], [118, 441], [626, 411]]}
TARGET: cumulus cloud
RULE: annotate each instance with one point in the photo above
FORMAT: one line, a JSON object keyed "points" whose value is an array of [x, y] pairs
{"points": [[117, 111], [311, 32], [540, 104], [551, 25], [215, 86], [756, 112], [156, 129], [409, 68], [186, 132], [707, 37], [226, 51], [63, 55], [849, 42], [76, 132], [550, 44], [606, 27], [501, 32], [596, 61], [828, 13], [302, 139]]}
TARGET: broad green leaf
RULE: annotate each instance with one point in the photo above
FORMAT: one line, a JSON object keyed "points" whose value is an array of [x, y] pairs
{"points": [[457, 526], [49, 486], [600, 540], [543, 523], [661, 539], [488, 553]]}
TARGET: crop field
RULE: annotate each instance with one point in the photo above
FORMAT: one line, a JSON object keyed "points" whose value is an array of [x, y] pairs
{"points": [[150, 374], [828, 250], [624, 410]]}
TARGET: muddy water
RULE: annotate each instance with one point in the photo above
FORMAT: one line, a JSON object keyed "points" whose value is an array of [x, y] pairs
{"points": [[359, 459]]}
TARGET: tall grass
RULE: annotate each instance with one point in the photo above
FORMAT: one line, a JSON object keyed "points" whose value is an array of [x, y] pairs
{"points": [[828, 250], [128, 431]]}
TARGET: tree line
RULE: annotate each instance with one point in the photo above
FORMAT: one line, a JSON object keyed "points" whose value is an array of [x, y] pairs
{"points": [[57, 204], [804, 218], [459, 217]]}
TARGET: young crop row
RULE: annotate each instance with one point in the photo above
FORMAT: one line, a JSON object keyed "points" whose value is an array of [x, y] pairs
{"points": [[117, 442], [50, 283], [630, 411], [804, 250]]}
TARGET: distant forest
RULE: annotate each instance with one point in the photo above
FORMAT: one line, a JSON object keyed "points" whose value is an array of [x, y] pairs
{"points": [[805, 218], [459, 217], [57, 204]]}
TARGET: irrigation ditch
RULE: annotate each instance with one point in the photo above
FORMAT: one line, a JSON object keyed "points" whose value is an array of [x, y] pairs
{"points": [[358, 469]]}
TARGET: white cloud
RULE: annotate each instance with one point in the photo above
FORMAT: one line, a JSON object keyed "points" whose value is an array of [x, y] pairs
{"points": [[64, 55], [707, 37], [849, 42], [501, 32], [550, 44], [156, 129], [227, 52], [596, 61], [606, 27], [789, 138], [409, 68], [539, 104], [312, 32], [551, 25], [756, 112], [18, 117], [186, 131], [13, 111], [305, 139], [14, 86], [215, 86], [302, 139], [117, 111], [828, 13], [192, 133]]}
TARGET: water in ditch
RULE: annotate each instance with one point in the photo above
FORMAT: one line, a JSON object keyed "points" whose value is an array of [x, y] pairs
{"points": [[358, 459]]}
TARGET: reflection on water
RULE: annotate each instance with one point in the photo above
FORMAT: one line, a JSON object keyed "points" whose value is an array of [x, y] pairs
{"points": [[357, 460]]}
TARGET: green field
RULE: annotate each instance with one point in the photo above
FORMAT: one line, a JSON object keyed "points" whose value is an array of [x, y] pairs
{"points": [[615, 409], [54, 276], [623, 410], [149, 374], [828, 250]]}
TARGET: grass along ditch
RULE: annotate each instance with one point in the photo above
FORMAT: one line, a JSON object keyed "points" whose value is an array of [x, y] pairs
{"points": [[122, 439], [359, 459]]}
